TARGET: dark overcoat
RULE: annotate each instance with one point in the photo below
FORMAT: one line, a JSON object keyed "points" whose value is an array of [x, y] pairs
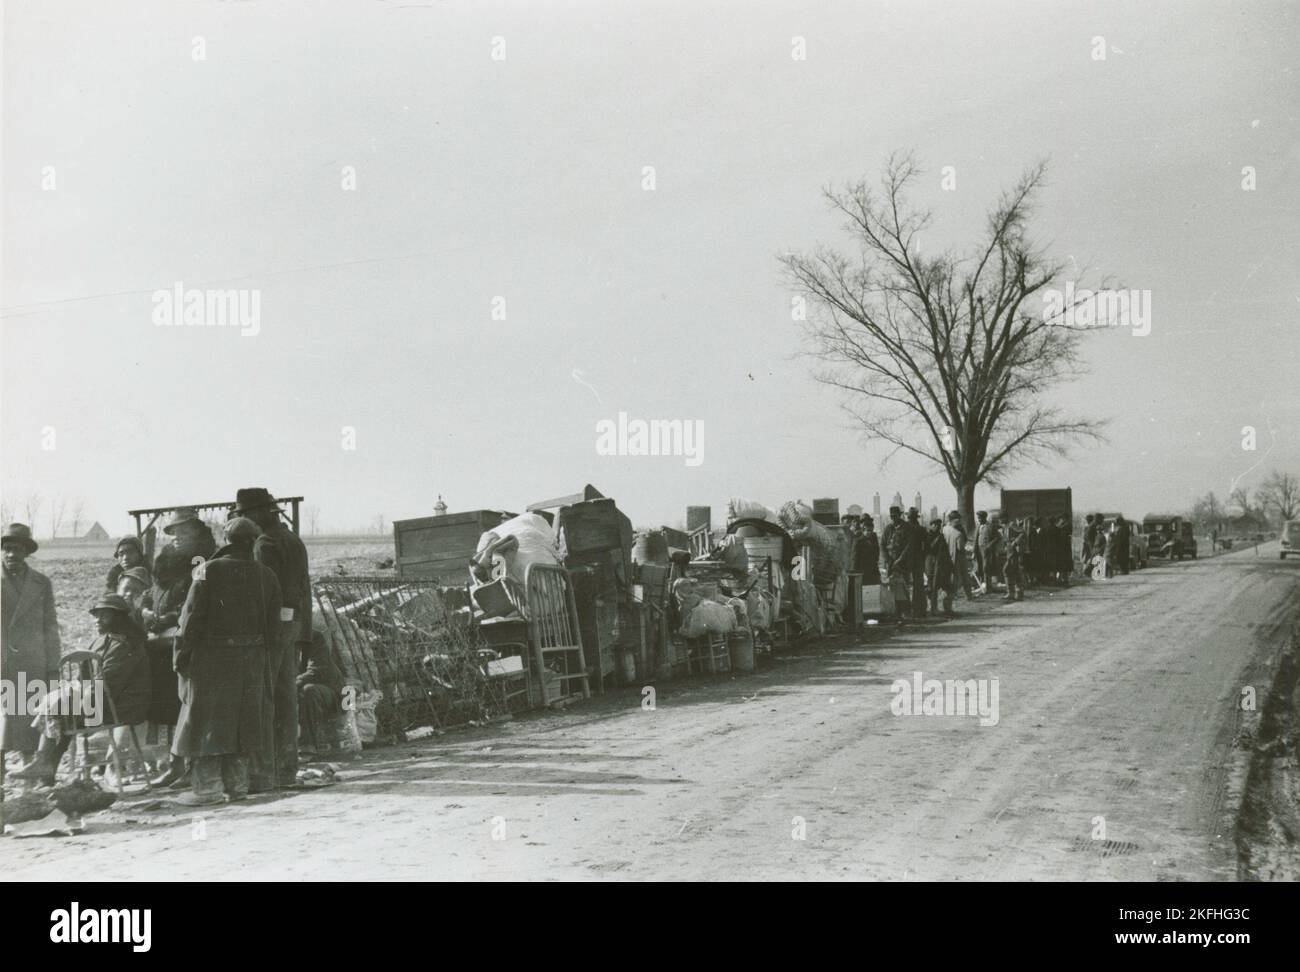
{"points": [[124, 666], [228, 626], [30, 645]]}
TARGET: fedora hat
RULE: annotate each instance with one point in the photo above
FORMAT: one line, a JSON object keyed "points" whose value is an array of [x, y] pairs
{"points": [[111, 602], [254, 498], [186, 514], [21, 534]]}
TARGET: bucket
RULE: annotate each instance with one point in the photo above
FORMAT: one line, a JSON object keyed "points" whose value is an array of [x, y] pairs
{"points": [[740, 646]]}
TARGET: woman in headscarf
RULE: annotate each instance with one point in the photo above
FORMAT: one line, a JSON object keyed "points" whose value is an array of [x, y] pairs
{"points": [[128, 554]]}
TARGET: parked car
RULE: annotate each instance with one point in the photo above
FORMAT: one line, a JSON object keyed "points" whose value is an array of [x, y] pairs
{"points": [[1290, 539], [1138, 548], [1169, 535]]}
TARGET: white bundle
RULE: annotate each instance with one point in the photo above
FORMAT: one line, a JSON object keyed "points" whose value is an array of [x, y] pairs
{"points": [[709, 617], [743, 509]]}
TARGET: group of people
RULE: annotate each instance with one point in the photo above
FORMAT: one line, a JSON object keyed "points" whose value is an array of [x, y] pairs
{"points": [[214, 642], [1107, 547], [922, 568]]}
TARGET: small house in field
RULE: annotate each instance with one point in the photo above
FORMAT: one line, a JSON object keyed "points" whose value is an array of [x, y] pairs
{"points": [[96, 532]]}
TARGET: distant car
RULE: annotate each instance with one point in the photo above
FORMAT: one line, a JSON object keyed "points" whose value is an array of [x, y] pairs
{"points": [[1168, 534], [1290, 539]]}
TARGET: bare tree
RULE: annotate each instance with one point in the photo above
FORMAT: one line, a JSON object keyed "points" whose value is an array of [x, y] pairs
{"points": [[32, 504], [944, 356], [379, 523], [6, 513], [1280, 492], [78, 515], [1241, 498], [313, 520], [58, 507], [1209, 513]]}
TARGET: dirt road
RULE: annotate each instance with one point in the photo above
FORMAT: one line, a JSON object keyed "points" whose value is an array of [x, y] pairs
{"points": [[1117, 707]]}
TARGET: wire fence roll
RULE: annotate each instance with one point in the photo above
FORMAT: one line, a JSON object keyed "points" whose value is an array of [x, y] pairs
{"points": [[410, 640]]}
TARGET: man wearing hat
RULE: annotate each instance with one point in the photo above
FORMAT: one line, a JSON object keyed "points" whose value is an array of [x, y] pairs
{"points": [[955, 537], [124, 669], [30, 647], [279, 548], [916, 538], [227, 630], [895, 564]]}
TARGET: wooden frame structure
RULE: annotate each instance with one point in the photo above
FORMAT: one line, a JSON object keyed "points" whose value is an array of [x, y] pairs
{"points": [[145, 529]]}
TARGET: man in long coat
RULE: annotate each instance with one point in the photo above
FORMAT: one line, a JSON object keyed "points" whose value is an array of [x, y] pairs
{"points": [[30, 647], [279, 548], [229, 623], [916, 535], [1123, 538], [895, 550], [981, 540]]}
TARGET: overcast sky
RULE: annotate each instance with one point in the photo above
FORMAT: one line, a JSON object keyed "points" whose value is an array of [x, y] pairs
{"points": [[522, 178]]}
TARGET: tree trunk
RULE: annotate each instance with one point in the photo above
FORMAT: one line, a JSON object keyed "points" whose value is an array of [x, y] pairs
{"points": [[966, 505]]}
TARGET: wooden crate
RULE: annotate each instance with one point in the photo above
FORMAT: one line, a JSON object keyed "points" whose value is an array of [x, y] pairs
{"points": [[592, 526], [442, 546]]}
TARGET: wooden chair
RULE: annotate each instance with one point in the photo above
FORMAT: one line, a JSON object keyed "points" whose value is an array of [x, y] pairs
{"points": [[72, 670]]}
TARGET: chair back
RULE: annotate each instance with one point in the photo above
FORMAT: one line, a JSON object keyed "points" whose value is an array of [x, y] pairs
{"points": [[71, 671]]}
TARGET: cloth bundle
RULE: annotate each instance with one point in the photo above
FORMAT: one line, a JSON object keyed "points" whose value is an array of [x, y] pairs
{"points": [[739, 509]]}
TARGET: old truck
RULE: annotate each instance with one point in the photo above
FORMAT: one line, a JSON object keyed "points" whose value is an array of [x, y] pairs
{"points": [[1016, 504], [1169, 535]]}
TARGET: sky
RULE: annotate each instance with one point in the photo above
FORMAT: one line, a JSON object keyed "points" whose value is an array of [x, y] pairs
{"points": [[443, 210]]}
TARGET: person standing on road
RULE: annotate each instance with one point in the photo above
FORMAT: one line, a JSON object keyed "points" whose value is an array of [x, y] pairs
{"points": [[228, 627], [955, 537], [1013, 564], [279, 548], [894, 562], [870, 560], [939, 568], [1064, 553], [916, 540], [30, 647], [192, 544], [1123, 541], [994, 550], [981, 538], [1048, 552], [1089, 543]]}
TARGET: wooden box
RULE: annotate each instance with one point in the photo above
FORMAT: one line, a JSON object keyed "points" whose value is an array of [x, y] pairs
{"points": [[442, 546]]}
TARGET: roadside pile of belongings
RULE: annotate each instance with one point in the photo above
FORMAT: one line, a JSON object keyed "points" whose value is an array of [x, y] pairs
{"points": [[827, 572]]}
